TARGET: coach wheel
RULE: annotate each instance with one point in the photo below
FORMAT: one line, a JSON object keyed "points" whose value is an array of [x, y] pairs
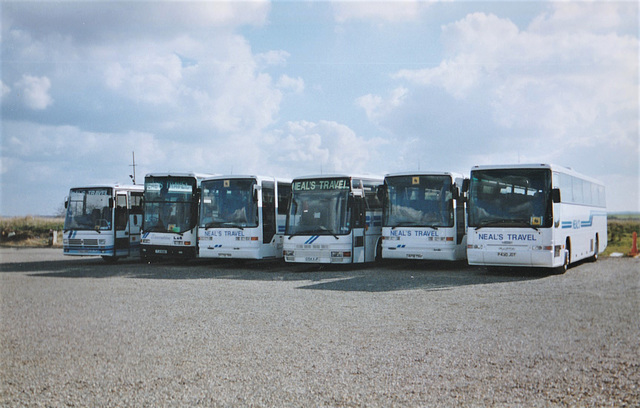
{"points": [[565, 265]]}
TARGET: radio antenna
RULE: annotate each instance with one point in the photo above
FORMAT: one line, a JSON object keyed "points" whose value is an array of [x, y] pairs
{"points": [[133, 176]]}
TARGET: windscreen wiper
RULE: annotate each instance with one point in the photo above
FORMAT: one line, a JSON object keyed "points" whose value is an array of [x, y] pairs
{"points": [[413, 224], [493, 223], [404, 224], [511, 223], [313, 232], [155, 228], [297, 233], [324, 229]]}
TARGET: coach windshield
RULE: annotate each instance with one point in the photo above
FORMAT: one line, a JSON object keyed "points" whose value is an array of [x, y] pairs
{"points": [[169, 204], [89, 209], [510, 198], [228, 203], [319, 207], [418, 201]]}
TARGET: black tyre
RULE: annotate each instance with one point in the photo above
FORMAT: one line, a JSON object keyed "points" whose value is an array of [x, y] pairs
{"points": [[379, 251], [565, 265]]}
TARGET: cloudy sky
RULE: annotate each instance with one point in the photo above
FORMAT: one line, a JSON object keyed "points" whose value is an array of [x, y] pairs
{"points": [[294, 88]]}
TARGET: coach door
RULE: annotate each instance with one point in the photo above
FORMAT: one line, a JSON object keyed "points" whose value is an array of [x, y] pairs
{"points": [[268, 212], [359, 224], [135, 221], [122, 225]]}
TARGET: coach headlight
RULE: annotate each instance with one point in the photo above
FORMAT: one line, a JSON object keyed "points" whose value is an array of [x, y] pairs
{"points": [[475, 246], [542, 248]]}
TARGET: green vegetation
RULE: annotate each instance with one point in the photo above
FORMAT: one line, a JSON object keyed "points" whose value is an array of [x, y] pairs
{"points": [[620, 230], [29, 231]]}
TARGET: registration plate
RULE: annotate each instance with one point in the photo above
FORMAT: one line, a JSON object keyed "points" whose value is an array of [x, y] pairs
{"points": [[507, 254], [161, 251], [312, 258], [414, 256]]}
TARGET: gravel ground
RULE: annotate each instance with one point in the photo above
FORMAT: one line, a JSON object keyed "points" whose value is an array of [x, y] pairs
{"points": [[80, 332]]}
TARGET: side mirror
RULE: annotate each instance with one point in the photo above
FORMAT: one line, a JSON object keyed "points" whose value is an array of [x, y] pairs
{"points": [[455, 193], [555, 195], [381, 192], [255, 192], [111, 202], [465, 185], [66, 202]]}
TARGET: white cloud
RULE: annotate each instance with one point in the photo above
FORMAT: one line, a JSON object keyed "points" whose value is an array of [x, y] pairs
{"points": [[182, 90], [94, 22], [221, 90], [295, 85], [4, 89], [588, 17], [152, 78], [273, 58], [182, 64], [34, 91], [48, 142], [31, 155], [379, 10], [377, 107], [557, 85], [177, 83], [562, 90], [324, 146]]}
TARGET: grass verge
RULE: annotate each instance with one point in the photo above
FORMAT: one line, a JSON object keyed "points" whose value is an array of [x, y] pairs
{"points": [[29, 231]]}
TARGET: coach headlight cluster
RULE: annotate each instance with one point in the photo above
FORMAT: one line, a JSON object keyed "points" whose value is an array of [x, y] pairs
{"points": [[288, 255], [65, 241], [475, 246], [391, 238], [102, 242], [146, 241], [542, 248]]}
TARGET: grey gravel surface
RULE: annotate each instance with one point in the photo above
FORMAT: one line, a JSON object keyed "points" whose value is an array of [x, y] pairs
{"points": [[80, 332]]}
